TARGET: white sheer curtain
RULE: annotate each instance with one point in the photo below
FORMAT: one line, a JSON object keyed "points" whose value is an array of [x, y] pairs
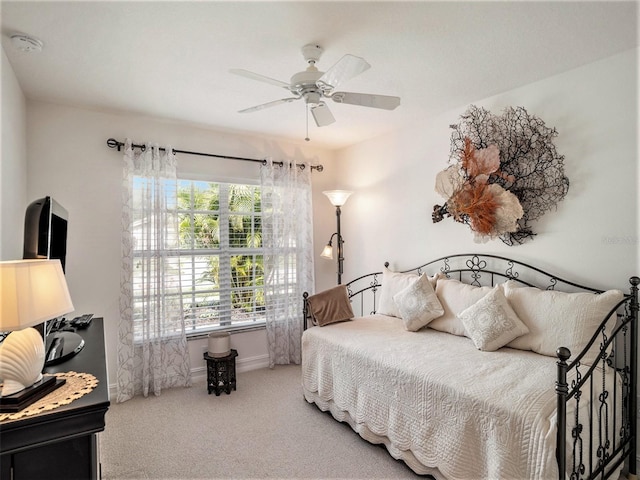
{"points": [[152, 349], [287, 237]]}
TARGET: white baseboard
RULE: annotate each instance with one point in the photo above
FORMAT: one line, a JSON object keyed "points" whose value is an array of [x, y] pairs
{"points": [[252, 363], [199, 373]]}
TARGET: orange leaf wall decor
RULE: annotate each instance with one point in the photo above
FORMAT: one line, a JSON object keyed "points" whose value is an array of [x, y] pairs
{"points": [[505, 173]]}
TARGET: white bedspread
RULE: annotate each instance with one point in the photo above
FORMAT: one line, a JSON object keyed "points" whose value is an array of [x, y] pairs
{"points": [[434, 399]]}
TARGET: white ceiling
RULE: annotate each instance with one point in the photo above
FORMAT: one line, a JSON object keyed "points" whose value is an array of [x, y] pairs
{"points": [[172, 59]]}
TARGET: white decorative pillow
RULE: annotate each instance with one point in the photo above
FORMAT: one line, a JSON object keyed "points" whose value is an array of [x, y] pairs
{"points": [[559, 319], [418, 304], [491, 322], [454, 297], [392, 283]]}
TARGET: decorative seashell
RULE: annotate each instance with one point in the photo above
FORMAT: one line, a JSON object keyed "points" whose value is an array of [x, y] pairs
{"points": [[21, 360]]}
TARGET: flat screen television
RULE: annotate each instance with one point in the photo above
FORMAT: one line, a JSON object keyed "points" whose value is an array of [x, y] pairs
{"points": [[45, 236], [45, 230]]}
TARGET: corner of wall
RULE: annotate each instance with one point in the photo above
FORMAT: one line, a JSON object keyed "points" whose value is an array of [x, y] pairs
{"points": [[13, 162]]}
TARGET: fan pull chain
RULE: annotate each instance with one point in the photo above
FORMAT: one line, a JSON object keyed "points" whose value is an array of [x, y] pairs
{"points": [[307, 118]]}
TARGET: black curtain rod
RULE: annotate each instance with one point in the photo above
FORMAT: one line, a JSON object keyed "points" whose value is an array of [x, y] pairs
{"points": [[113, 143]]}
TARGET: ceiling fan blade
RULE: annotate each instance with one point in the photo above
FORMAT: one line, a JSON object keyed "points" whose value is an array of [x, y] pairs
{"points": [[366, 100], [322, 115], [260, 78], [346, 68], [268, 104]]}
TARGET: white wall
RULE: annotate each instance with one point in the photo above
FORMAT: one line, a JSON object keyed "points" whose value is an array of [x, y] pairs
{"points": [[68, 159], [593, 235], [13, 164]]}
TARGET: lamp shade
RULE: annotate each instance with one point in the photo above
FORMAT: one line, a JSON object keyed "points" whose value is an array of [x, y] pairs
{"points": [[338, 197], [327, 252], [31, 292]]}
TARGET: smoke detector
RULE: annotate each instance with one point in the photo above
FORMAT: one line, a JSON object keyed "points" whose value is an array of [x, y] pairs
{"points": [[25, 43]]}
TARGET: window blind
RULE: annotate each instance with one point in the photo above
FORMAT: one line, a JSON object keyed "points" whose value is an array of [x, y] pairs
{"points": [[215, 255]]}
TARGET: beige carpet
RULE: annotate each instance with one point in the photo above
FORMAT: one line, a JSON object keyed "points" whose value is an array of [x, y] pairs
{"points": [[265, 429]]}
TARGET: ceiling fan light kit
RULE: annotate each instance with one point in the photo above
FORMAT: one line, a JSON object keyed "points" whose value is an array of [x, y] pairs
{"points": [[314, 86], [322, 115]]}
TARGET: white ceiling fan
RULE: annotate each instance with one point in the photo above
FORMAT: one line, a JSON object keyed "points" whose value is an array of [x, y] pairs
{"points": [[314, 86]]}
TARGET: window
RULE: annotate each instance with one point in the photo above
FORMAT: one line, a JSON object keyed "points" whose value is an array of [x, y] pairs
{"points": [[216, 256]]}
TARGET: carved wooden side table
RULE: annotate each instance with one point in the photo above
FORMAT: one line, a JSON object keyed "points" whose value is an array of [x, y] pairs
{"points": [[221, 373]]}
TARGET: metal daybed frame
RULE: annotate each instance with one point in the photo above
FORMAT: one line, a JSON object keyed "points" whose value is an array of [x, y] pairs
{"points": [[618, 354]]}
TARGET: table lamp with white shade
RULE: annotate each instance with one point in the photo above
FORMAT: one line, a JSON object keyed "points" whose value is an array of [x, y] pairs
{"points": [[31, 292]]}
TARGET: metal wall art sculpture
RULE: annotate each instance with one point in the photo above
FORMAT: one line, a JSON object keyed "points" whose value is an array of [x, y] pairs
{"points": [[505, 174]]}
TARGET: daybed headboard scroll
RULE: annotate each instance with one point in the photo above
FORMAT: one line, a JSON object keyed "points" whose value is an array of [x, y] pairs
{"points": [[475, 269]]}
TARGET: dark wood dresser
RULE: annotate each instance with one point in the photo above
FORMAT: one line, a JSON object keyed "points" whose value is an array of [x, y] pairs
{"points": [[62, 443]]}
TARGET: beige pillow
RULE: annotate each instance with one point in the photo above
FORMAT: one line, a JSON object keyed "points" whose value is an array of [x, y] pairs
{"points": [[418, 304], [491, 322], [454, 297], [392, 283], [559, 319], [330, 306]]}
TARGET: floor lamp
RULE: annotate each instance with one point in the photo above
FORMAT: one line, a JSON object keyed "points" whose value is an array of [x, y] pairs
{"points": [[337, 198]]}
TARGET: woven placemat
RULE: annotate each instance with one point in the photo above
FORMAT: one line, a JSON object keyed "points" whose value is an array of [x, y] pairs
{"points": [[77, 385]]}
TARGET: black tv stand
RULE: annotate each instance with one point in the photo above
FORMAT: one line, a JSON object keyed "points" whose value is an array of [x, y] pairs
{"points": [[62, 444], [61, 346]]}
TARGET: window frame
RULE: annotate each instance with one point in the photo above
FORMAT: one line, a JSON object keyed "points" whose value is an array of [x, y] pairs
{"points": [[224, 253]]}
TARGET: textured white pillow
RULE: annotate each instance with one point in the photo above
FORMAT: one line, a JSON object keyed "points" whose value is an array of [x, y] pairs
{"points": [[559, 319], [392, 283], [491, 322], [454, 297], [418, 304]]}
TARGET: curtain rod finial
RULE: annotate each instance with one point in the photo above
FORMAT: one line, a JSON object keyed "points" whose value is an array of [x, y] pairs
{"points": [[113, 143]]}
